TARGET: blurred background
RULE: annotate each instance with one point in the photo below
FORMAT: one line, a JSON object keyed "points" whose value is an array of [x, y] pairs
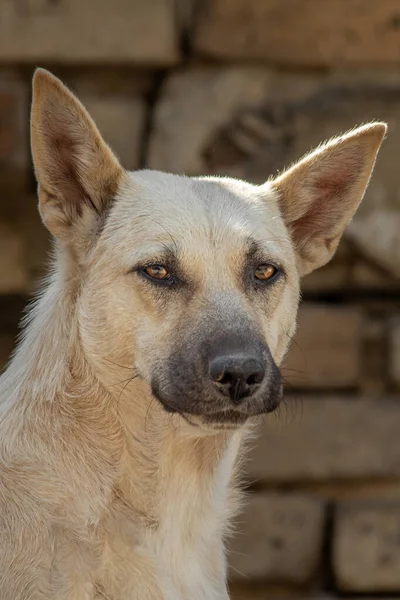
{"points": [[243, 87]]}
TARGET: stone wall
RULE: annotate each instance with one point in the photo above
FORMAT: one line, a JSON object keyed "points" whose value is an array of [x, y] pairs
{"points": [[243, 87]]}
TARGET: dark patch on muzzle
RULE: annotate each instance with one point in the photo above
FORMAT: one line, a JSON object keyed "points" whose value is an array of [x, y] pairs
{"points": [[226, 378]]}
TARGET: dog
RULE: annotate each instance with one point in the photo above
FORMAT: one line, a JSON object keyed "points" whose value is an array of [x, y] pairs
{"points": [[152, 350]]}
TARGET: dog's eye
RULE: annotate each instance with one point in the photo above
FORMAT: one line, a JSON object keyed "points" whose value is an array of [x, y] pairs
{"points": [[265, 272], [158, 272]]}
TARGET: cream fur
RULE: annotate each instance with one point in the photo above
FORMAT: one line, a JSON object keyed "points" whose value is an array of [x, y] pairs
{"points": [[103, 494]]}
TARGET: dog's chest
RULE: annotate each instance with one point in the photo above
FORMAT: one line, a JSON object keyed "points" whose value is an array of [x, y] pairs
{"points": [[174, 550]]}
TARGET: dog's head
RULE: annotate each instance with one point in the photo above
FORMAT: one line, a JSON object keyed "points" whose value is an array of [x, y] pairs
{"points": [[193, 283]]}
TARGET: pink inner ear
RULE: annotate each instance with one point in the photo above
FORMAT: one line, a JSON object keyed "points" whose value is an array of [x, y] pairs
{"points": [[330, 186], [326, 208], [336, 172]]}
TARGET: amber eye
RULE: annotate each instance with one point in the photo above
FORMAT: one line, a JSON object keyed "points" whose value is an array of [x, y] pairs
{"points": [[265, 272], [157, 272]]}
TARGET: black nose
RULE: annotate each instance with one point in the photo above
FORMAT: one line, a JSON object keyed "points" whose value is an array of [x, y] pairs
{"points": [[239, 375]]}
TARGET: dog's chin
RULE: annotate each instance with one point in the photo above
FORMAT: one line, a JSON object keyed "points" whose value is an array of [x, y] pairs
{"points": [[213, 413], [222, 420], [213, 422]]}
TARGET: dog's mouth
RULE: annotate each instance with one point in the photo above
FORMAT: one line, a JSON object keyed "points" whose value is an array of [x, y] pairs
{"points": [[223, 421], [228, 419]]}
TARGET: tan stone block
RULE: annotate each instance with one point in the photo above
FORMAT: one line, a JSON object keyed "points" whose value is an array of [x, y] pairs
{"points": [[326, 350], [7, 343], [121, 122], [14, 277], [332, 277], [251, 122], [377, 234], [36, 241], [370, 276], [11, 308], [14, 145], [106, 80], [265, 591], [279, 538], [207, 120], [24, 245], [300, 32], [335, 276], [323, 438], [366, 549], [115, 100], [193, 105], [72, 31], [374, 369], [394, 350]]}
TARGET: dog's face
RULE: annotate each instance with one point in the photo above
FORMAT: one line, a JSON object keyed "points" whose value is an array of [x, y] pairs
{"points": [[193, 283], [203, 281]]}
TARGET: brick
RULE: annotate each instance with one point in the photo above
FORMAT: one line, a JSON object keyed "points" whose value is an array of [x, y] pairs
{"points": [[11, 307], [24, 245], [14, 277], [198, 125], [106, 80], [349, 272], [298, 32], [366, 549], [394, 350], [249, 122], [122, 31], [371, 277], [376, 233], [334, 276], [374, 376], [264, 591], [330, 437], [193, 105], [121, 121], [279, 538], [326, 352], [35, 239], [7, 343], [14, 145]]}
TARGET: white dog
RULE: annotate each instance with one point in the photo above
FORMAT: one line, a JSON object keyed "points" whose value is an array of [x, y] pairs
{"points": [[153, 347]]}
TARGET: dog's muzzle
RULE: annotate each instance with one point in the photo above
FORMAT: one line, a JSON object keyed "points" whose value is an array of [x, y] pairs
{"points": [[225, 383]]}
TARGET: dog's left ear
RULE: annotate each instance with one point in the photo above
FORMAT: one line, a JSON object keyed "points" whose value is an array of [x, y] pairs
{"points": [[78, 175], [319, 195]]}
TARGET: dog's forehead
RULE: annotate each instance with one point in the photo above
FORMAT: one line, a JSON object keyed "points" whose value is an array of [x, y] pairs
{"points": [[154, 206]]}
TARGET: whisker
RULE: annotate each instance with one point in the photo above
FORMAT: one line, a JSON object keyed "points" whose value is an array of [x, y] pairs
{"points": [[293, 340], [175, 245], [126, 385], [295, 401], [124, 380], [239, 572], [295, 370], [152, 399], [118, 365]]}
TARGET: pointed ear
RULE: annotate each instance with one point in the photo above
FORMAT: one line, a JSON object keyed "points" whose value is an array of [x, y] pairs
{"points": [[78, 175], [319, 195]]}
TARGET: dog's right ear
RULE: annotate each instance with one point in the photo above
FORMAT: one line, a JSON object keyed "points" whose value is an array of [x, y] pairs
{"points": [[78, 175], [319, 195]]}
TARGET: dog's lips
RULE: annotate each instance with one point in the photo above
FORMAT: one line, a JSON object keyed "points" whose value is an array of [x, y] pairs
{"points": [[229, 419], [219, 413], [239, 416]]}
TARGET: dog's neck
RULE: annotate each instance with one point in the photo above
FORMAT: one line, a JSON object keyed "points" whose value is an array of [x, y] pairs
{"points": [[158, 473]]}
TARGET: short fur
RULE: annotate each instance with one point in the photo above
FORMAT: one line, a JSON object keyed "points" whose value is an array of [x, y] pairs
{"points": [[109, 491]]}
